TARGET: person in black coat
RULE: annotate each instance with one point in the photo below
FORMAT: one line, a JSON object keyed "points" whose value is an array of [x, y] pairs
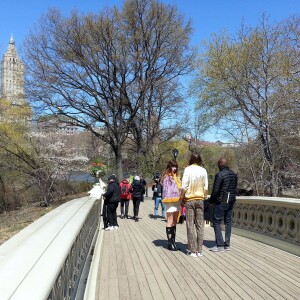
{"points": [[112, 198], [137, 190], [223, 196]]}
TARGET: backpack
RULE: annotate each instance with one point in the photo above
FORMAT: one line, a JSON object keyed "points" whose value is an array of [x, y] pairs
{"points": [[124, 191]]}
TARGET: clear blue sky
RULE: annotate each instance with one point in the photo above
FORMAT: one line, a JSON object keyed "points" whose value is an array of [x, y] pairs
{"points": [[208, 16]]}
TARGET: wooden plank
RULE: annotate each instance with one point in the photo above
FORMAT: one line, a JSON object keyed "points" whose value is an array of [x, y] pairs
{"points": [[143, 268], [103, 278], [273, 258], [121, 255], [128, 260], [209, 288], [171, 273], [113, 267], [156, 259], [280, 281], [192, 280], [140, 274]]}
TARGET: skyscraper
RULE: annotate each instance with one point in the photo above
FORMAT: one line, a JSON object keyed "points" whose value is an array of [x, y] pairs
{"points": [[12, 75]]}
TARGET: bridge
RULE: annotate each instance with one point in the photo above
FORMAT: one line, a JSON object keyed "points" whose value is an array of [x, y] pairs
{"points": [[66, 254]]}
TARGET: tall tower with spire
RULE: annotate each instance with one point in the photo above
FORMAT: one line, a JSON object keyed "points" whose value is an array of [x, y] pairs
{"points": [[12, 75]]}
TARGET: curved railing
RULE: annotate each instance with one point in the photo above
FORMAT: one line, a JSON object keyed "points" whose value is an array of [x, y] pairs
{"points": [[45, 260], [272, 220]]}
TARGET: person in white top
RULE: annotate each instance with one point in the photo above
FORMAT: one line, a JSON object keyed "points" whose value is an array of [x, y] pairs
{"points": [[195, 185]]}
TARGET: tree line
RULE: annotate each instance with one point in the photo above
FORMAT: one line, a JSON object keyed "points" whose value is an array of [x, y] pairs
{"points": [[119, 75]]}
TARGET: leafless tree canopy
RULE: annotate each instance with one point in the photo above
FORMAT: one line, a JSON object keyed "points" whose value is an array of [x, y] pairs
{"points": [[113, 73]]}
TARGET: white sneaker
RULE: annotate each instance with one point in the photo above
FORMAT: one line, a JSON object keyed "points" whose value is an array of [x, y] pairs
{"points": [[199, 254], [109, 228], [192, 254]]}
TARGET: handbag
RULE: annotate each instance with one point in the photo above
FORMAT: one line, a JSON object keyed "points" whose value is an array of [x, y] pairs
{"points": [[208, 210]]}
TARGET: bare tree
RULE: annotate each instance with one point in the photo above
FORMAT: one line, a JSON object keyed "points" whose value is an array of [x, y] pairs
{"points": [[104, 70], [253, 81]]}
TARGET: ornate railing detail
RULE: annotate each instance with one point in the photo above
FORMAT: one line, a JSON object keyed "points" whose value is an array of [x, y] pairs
{"points": [[52, 251], [275, 217], [66, 284]]}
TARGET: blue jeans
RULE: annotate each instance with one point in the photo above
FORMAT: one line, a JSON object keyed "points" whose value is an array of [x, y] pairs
{"points": [[223, 211], [163, 207]]}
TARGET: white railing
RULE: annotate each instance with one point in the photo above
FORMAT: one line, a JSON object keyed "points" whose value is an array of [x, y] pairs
{"points": [[45, 260], [271, 220]]}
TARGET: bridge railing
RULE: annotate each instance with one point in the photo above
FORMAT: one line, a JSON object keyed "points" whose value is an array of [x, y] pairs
{"points": [[45, 260], [271, 220]]}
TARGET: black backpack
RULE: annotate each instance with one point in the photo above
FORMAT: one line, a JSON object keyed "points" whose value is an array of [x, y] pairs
{"points": [[124, 191]]}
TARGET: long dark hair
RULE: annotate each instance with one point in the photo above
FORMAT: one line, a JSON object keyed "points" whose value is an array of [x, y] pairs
{"points": [[195, 159], [171, 163]]}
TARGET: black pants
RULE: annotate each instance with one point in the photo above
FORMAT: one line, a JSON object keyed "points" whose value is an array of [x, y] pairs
{"points": [[136, 206], [126, 204], [112, 213], [104, 215]]}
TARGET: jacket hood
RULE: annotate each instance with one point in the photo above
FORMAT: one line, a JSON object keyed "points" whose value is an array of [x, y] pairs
{"points": [[125, 181]]}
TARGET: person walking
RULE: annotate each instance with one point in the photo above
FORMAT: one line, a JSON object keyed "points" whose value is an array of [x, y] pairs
{"points": [[112, 198], [157, 196], [125, 197], [170, 195], [195, 188], [144, 183], [223, 196], [137, 190]]}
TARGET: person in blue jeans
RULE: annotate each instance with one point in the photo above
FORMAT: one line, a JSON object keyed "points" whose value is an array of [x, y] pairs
{"points": [[223, 195], [157, 196]]}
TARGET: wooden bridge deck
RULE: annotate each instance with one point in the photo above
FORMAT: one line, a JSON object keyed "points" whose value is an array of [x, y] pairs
{"points": [[135, 264]]}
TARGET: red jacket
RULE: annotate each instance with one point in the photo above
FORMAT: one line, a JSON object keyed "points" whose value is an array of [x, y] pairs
{"points": [[125, 185]]}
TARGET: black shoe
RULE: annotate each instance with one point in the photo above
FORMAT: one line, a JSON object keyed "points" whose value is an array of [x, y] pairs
{"points": [[136, 219], [126, 217], [122, 216]]}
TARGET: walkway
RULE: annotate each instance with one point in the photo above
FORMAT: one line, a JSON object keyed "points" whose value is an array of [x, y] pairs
{"points": [[135, 264]]}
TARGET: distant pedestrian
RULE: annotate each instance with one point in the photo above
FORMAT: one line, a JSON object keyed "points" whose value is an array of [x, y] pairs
{"points": [[195, 186], [170, 195], [125, 198], [223, 196], [144, 183], [137, 190], [112, 198], [157, 196]]}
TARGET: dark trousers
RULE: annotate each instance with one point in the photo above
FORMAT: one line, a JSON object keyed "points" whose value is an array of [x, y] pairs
{"points": [[136, 206], [104, 215], [223, 211], [112, 213], [126, 204]]}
